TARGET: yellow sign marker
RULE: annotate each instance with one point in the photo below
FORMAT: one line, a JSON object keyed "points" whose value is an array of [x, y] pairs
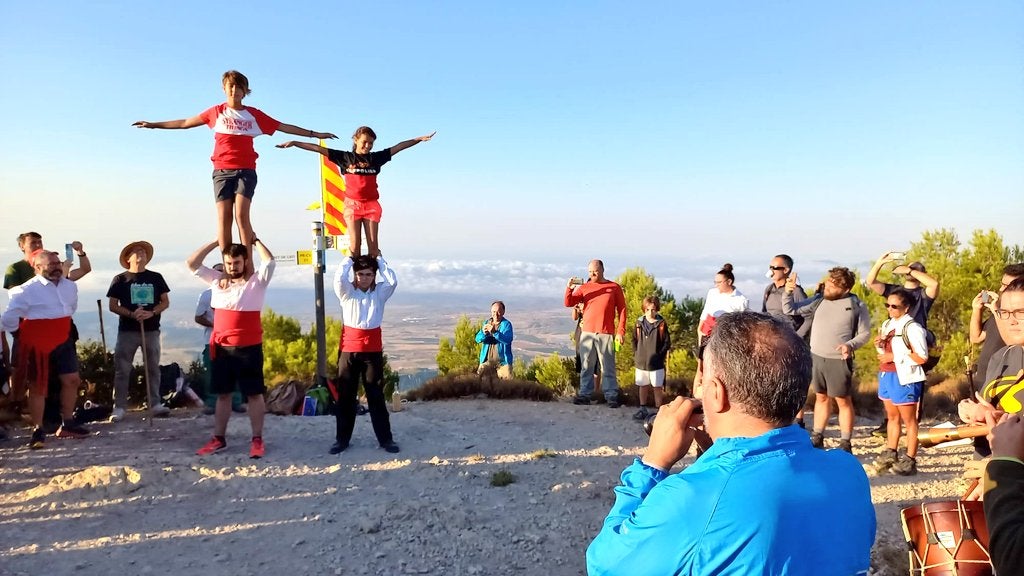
{"points": [[304, 257]]}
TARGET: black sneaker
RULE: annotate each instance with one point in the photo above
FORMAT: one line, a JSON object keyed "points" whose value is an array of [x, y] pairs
{"points": [[641, 414], [846, 446], [338, 447], [38, 439], [390, 447], [613, 404], [72, 430], [581, 401]]}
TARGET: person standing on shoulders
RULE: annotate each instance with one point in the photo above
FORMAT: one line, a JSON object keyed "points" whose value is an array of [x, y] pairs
{"points": [[603, 305], [361, 350], [137, 297], [496, 339], [236, 345]]}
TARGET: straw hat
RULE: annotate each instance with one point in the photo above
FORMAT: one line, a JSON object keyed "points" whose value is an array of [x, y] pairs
{"points": [[127, 250]]}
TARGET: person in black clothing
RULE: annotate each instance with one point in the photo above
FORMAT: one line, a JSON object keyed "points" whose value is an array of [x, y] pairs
{"points": [[1004, 496], [651, 343]]}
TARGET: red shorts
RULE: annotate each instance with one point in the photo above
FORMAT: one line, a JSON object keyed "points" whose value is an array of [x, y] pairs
{"points": [[356, 210]]}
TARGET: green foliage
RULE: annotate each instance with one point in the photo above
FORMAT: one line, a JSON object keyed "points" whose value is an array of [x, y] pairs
{"points": [[555, 372], [96, 368], [502, 478], [461, 353]]}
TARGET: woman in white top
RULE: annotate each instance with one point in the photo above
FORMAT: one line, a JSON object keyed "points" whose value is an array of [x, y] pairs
{"points": [[724, 297]]}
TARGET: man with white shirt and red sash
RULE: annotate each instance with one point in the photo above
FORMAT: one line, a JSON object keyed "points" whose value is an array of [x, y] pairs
{"points": [[236, 343], [361, 350], [40, 312]]}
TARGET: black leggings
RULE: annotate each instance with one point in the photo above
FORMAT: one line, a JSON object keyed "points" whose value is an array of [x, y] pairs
{"points": [[369, 365]]}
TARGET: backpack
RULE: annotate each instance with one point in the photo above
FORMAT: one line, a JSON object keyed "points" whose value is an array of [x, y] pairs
{"points": [[286, 398], [798, 320], [934, 353]]}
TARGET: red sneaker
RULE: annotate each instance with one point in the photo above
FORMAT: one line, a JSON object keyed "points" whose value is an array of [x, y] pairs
{"points": [[214, 445], [256, 449]]}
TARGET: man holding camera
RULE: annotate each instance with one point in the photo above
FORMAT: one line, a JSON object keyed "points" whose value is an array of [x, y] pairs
{"points": [[603, 303], [496, 338], [745, 505]]}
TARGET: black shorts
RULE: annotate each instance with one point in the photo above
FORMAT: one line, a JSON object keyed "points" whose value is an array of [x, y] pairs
{"points": [[832, 376], [240, 366], [227, 183]]}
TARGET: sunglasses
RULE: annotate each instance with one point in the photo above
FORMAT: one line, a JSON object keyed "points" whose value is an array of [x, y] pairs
{"points": [[776, 268], [894, 306]]}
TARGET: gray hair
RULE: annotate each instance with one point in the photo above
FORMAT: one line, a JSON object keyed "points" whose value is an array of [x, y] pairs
{"points": [[762, 363]]}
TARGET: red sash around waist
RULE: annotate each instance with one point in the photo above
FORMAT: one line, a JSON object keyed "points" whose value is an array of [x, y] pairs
{"points": [[360, 340], [235, 328], [36, 340]]}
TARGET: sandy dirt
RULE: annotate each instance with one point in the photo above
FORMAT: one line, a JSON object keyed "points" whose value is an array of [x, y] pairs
{"points": [[134, 499]]}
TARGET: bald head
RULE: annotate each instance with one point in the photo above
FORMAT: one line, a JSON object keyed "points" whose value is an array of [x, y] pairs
{"points": [[47, 265], [595, 270]]}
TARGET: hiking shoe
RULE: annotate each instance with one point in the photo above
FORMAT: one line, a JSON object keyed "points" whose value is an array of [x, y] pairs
{"points": [[72, 430], [613, 404], [117, 414], [390, 447], [256, 449], [846, 446], [38, 439], [883, 429], [238, 408], [161, 410], [907, 466], [214, 445], [641, 414], [817, 439], [209, 410], [338, 447], [581, 401], [884, 461]]}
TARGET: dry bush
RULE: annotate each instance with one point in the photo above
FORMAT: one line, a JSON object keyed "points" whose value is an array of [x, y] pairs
{"points": [[461, 385]]}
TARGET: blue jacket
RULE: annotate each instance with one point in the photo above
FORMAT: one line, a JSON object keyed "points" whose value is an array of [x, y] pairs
{"points": [[770, 505], [502, 338]]}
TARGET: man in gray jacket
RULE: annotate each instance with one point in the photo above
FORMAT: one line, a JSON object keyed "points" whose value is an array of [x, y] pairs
{"points": [[840, 325]]}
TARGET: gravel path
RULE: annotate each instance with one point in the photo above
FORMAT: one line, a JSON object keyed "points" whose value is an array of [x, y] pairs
{"points": [[134, 499]]}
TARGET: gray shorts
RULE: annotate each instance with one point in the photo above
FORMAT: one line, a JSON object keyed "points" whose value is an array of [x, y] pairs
{"points": [[228, 183], [832, 376]]}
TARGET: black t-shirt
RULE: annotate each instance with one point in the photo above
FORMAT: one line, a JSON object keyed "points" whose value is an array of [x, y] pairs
{"points": [[132, 290], [360, 171], [1004, 380], [919, 311]]}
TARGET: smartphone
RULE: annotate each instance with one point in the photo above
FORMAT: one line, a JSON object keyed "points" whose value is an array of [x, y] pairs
{"points": [[986, 297], [69, 253], [576, 280], [898, 255]]}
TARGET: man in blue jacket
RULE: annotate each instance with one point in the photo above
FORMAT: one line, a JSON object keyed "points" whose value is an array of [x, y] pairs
{"points": [[496, 337], [749, 504]]}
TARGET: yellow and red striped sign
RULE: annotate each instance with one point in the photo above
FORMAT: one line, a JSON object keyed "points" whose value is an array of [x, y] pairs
{"points": [[332, 187]]}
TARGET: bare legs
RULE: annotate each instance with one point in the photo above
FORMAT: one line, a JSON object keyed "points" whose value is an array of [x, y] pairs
{"points": [[355, 237]]}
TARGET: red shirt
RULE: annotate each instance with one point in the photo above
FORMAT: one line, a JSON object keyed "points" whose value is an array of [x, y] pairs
{"points": [[233, 134], [602, 302]]}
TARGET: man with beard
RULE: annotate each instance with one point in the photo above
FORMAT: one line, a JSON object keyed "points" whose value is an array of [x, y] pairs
{"points": [[40, 313], [841, 324], [236, 345]]}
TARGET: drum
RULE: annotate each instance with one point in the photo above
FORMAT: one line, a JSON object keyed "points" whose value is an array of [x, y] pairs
{"points": [[947, 539]]}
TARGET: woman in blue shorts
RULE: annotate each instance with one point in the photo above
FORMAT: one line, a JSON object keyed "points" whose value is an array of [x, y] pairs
{"points": [[902, 349]]}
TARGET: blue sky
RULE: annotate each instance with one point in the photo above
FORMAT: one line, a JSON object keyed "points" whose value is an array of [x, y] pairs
{"points": [[639, 133]]}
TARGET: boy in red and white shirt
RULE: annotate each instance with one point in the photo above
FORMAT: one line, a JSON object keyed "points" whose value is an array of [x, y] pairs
{"points": [[234, 158]]}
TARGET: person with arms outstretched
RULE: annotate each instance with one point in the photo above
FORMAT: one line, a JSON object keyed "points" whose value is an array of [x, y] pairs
{"points": [[234, 158], [360, 168]]}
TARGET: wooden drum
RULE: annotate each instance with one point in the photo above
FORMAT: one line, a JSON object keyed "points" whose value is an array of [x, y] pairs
{"points": [[947, 539]]}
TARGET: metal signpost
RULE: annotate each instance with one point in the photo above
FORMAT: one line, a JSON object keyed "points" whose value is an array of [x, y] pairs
{"points": [[319, 264]]}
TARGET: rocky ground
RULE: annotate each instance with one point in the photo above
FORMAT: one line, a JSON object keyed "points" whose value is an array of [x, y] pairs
{"points": [[134, 499]]}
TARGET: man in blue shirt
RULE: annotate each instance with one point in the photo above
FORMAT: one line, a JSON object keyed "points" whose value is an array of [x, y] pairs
{"points": [[496, 337], [753, 502]]}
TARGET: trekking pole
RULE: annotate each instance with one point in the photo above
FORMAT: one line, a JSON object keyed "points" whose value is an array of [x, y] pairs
{"points": [[103, 334], [145, 374]]}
